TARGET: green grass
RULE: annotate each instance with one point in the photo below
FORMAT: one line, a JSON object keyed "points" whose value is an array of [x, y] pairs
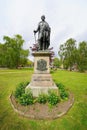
{"points": [[75, 119]]}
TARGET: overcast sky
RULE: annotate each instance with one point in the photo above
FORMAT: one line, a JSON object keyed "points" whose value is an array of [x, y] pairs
{"points": [[67, 19]]}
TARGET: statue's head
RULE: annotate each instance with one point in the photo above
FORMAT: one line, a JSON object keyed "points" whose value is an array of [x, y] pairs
{"points": [[43, 17]]}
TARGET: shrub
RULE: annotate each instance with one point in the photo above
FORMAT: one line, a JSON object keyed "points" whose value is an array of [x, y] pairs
{"points": [[53, 98], [63, 93], [23, 98], [20, 89], [26, 99], [42, 98], [60, 86]]}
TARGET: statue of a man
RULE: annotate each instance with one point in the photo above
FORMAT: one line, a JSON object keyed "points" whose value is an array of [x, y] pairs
{"points": [[43, 30]]}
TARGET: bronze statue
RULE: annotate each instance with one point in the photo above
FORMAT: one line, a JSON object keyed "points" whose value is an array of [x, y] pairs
{"points": [[43, 30]]}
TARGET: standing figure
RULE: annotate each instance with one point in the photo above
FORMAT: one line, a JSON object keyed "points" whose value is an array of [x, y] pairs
{"points": [[43, 34]]}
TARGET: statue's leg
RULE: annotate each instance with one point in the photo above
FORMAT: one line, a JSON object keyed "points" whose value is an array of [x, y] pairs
{"points": [[44, 43], [47, 44], [39, 44], [43, 46]]}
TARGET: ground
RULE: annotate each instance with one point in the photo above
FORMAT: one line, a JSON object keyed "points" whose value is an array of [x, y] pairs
{"points": [[76, 117], [43, 111]]}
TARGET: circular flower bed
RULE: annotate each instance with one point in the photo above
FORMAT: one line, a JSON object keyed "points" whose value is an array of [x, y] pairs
{"points": [[49, 106]]}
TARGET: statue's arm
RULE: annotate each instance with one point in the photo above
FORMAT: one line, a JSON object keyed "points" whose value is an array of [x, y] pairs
{"points": [[49, 29], [35, 31]]}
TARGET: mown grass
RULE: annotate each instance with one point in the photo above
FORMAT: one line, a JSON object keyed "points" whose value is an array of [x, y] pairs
{"points": [[75, 119]]}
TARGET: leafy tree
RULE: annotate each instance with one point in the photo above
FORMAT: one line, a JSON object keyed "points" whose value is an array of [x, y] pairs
{"points": [[56, 62], [30, 63], [82, 56], [13, 54], [67, 53], [2, 55], [23, 60]]}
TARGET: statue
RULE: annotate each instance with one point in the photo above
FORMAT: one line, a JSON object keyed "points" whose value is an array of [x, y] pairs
{"points": [[43, 30]]}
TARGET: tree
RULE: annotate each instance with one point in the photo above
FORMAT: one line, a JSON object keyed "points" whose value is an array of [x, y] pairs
{"points": [[82, 56], [14, 54], [23, 60], [2, 55], [67, 53], [56, 62], [30, 63]]}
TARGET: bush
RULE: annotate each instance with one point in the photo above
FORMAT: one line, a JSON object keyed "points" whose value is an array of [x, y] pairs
{"points": [[26, 99], [20, 89], [42, 98], [23, 98], [63, 93], [60, 86], [53, 98]]}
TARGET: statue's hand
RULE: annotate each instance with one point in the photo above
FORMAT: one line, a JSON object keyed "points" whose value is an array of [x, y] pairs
{"points": [[35, 31]]}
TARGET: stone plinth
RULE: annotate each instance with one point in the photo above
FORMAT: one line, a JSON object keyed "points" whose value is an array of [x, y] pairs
{"points": [[41, 80], [44, 57]]}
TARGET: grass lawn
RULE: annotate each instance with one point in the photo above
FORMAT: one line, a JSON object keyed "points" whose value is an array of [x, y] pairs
{"points": [[75, 119]]}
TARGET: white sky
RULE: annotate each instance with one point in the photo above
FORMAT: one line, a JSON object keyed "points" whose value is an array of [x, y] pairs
{"points": [[67, 19]]}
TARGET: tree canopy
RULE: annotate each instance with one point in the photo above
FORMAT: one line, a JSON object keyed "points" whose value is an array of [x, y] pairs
{"points": [[71, 55], [12, 54]]}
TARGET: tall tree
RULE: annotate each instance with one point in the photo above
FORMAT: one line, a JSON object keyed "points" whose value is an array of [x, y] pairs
{"points": [[82, 56], [14, 52], [67, 53], [56, 62], [2, 55]]}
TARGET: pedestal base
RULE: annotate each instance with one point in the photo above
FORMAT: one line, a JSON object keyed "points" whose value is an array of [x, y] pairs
{"points": [[44, 80], [41, 81], [39, 89]]}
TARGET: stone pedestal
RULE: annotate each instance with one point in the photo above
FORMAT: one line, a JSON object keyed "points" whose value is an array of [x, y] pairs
{"points": [[41, 81]]}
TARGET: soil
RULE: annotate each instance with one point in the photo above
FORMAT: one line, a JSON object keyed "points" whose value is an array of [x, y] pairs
{"points": [[42, 111]]}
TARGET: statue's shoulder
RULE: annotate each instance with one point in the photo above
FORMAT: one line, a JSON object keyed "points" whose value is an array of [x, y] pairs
{"points": [[46, 23], [40, 22]]}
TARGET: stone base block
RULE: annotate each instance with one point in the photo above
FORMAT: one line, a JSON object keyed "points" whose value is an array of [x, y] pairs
{"points": [[43, 80], [39, 89]]}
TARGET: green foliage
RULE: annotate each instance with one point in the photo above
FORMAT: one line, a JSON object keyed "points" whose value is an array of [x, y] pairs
{"points": [[56, 62], [23, 98], [20, 90], [60, 86], [12, 54], [67, 53], [42, 98], [82, 56], [26, 99], [73, 57], [53, 98], [2, 55], [30, 63], [63, 93]]}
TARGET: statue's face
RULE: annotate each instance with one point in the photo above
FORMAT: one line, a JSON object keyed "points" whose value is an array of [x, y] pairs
{"points": [[43, 18]]}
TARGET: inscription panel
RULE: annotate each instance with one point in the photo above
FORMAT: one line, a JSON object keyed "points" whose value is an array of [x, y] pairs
{"points": [[41, 65], [42, 80]]}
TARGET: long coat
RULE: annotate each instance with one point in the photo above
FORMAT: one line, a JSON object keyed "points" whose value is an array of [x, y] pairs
{"points": [[44, 32]]}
